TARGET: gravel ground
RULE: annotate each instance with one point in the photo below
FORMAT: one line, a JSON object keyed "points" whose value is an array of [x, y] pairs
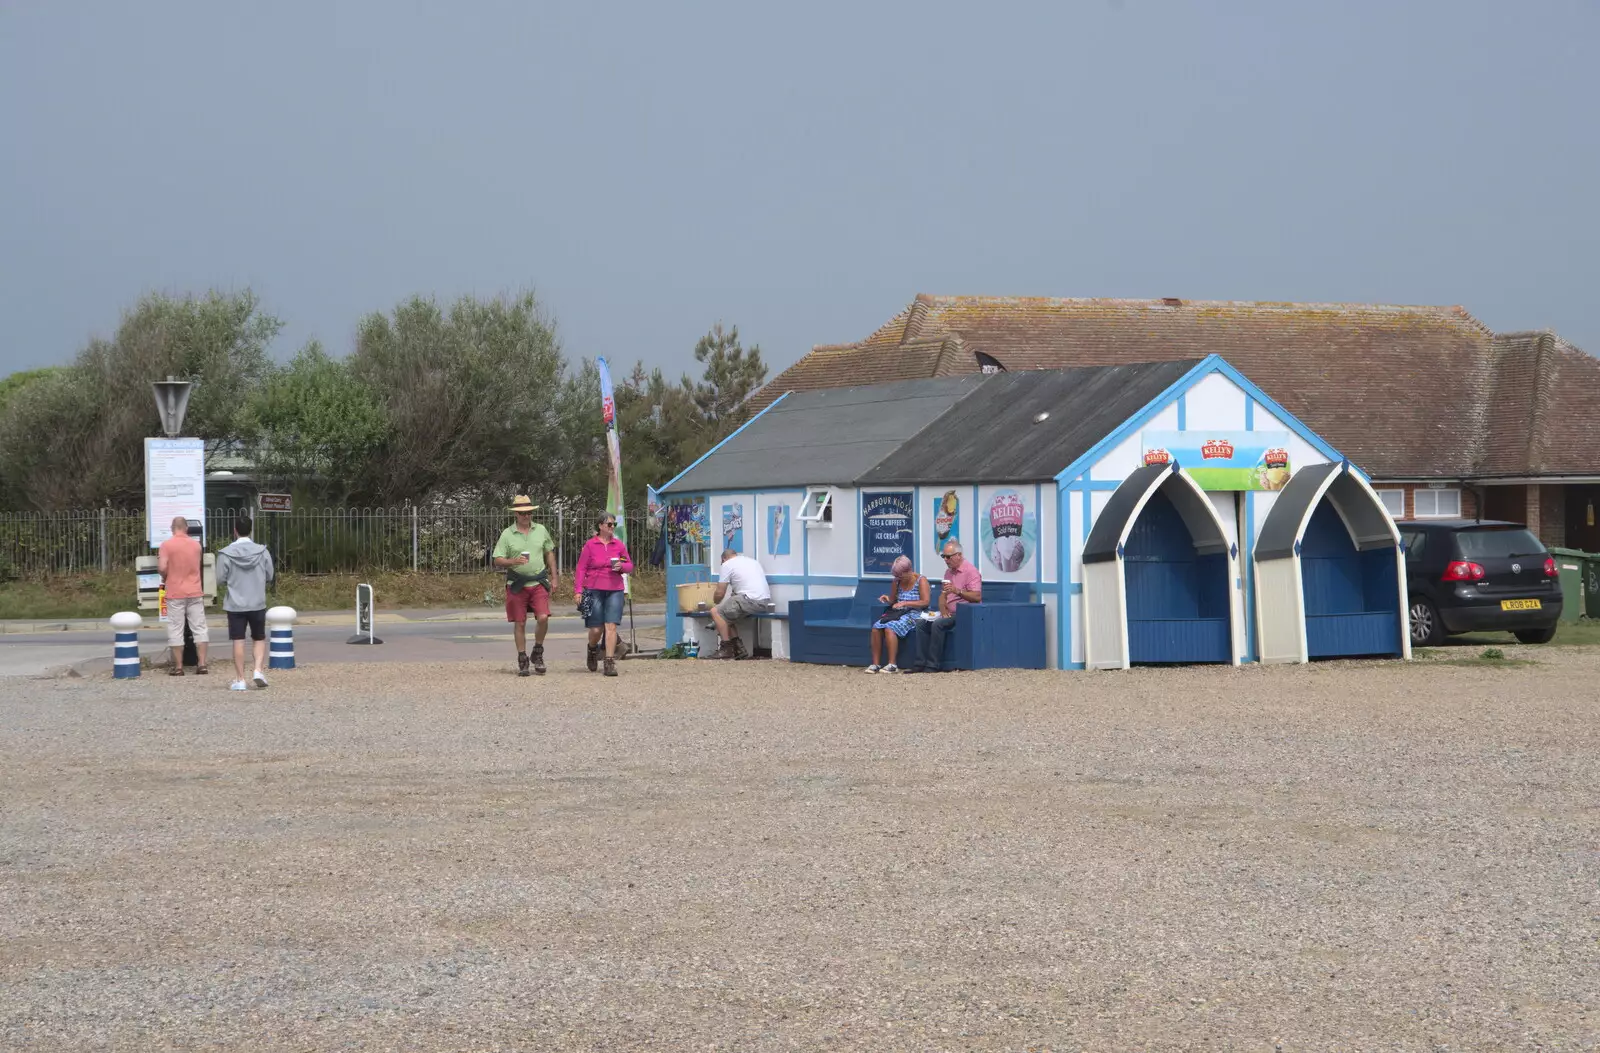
{"points": [[763, 856]]}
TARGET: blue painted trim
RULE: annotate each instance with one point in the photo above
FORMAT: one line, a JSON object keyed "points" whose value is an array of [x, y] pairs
{"points": [[1074, 665], [1183, 413], [1249, 414], [1295, 424], [1063, 569], [720, 445], [1206, 366], [1247, 547], [1038, 511], [1097, 484], [806, 579], [841, 580], [1088, 514]]}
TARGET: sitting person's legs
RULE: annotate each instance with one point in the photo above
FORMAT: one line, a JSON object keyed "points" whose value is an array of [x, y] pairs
{"points": [[930, 645]]}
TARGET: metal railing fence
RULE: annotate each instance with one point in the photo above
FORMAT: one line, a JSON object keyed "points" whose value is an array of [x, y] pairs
{"points": [[447, 540]]}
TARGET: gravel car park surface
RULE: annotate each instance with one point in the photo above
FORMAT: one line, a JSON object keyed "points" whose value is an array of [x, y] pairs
{"points": [[760, 856]]}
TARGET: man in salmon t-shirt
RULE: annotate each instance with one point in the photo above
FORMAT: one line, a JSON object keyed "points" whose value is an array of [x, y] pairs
{"points": [[178, 560]]}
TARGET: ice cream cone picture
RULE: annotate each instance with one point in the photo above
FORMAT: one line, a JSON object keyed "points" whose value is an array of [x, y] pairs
{"points": [[944, 517], [1006, 514]]}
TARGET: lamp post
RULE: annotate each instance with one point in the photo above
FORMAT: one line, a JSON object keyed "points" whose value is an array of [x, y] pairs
{"points": [[172, 403]]}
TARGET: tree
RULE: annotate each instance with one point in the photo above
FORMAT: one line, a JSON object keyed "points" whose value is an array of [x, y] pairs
{"points": [[731, 376], [315, 428], [16, 382], [473, 398], [76, 438]]}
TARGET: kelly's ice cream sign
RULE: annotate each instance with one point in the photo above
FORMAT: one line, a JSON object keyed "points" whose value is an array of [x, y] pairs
{"points": [[1223, 460]]}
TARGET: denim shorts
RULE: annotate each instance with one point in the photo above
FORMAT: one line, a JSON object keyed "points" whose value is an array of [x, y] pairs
{"points": [[607, 608]]}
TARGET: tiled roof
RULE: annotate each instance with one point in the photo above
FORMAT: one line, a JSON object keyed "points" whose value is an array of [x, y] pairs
{"points": [[1405, 392]]}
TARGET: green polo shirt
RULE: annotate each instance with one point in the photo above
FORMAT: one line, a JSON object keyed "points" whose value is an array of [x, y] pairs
{"points": [[513, 543]]}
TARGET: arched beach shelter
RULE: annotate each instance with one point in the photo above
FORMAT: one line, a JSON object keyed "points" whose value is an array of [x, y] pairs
{"points": [[1159, 575], [1330, 571]]}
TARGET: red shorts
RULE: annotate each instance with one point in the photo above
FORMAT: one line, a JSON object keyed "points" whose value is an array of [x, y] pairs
{"points": [[535, 598]]}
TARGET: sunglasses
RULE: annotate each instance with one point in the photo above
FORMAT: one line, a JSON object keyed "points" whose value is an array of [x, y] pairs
{"points": [[609, 522], [950, 555]]}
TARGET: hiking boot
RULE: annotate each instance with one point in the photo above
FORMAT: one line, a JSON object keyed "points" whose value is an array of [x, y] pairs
{"points": [[594, 657], [724, 652], [538, 658], [739, 653], [611, 667], [522, 665]]}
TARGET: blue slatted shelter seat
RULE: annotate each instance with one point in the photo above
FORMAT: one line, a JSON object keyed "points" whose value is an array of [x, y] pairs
{"points": [[1006, 630], [1349, 595], [1177, 599]]}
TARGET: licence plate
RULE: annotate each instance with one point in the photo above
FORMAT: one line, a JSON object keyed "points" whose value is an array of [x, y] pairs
{"points": [[1520, 605]]}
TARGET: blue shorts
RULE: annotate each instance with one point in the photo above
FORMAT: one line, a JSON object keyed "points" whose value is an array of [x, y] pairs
{"points": [[607, 608]]}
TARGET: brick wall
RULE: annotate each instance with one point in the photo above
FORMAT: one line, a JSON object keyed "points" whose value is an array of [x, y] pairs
{"points": [[1552, 515]]}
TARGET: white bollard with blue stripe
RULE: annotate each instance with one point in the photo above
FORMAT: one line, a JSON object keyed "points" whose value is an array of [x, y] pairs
{"points": [[125, 658], [280, 637]]}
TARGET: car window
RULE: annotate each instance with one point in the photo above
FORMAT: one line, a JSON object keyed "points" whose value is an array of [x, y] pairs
{"points": [[1497, 543], [1415, 541]]}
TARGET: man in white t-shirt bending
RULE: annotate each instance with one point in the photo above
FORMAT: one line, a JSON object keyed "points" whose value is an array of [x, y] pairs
{"points": [[742, 590]]}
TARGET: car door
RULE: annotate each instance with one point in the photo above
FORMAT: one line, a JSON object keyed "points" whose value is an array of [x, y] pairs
{"points": [[1415, 540]]}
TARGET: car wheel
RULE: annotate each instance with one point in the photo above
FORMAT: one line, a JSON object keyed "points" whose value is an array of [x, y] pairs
{"points": [[1535, 635], [1426, 628]]}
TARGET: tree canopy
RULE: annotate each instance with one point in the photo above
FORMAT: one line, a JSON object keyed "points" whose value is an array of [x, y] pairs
{"points": [[471, 399]]}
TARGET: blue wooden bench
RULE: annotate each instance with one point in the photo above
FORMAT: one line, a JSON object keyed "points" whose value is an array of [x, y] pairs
{"points": [[1005, 631]]}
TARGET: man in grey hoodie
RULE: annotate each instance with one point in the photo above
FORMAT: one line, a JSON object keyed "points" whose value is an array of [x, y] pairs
{"points": [[245, 568]]}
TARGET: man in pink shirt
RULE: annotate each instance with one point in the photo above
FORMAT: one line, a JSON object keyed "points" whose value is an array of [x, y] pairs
{"points": [[962, 584], [178, 560]]}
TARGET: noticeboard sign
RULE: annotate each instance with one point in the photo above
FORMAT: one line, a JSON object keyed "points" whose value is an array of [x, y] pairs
{"points": [[174, 485], [275, 503]]}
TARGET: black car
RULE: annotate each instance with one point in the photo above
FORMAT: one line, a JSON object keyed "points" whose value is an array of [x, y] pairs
{"points": [[1468, 575]]}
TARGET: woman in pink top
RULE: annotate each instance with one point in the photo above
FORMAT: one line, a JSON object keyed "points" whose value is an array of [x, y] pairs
{"points": [[601, 565]]}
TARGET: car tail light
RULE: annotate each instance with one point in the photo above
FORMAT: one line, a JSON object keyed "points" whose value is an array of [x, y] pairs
{"points": [[1461, 570], [1550, 568]]}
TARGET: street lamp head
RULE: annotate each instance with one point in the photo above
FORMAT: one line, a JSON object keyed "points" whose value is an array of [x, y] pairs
{"points": [[172, 402]]}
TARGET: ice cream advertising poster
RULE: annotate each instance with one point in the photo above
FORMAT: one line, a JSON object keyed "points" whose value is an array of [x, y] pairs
{"points": [[1223, 460], [778, 530], [946, 519], [886, 532], [733, 527], [1009, 531]]}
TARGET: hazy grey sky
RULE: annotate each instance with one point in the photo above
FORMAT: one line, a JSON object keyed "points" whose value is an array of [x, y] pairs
{"points": [[801, 170]]}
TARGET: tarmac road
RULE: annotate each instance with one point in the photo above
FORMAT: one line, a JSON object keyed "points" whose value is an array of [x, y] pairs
{"points": [[413, 636]]}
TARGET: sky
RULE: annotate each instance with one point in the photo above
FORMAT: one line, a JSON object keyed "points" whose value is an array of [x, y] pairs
{"points": [[798, 170]]}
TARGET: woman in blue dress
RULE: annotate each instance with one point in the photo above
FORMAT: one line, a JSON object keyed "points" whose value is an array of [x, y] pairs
{"points": [[910, 600]]}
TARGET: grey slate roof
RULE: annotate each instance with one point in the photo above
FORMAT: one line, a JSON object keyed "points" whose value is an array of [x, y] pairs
{"points": [[991, 436], [824, 437], [969, 428]]}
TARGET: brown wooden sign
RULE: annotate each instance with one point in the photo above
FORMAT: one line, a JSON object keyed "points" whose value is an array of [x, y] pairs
{"points": [[275, 503]]}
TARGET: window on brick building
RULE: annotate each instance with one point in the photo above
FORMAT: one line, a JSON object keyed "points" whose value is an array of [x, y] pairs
{"points": [[1394, 502], [1437, 504]]}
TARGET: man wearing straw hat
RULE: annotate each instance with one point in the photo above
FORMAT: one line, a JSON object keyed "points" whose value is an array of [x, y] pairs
{"points": [[528, 556]]}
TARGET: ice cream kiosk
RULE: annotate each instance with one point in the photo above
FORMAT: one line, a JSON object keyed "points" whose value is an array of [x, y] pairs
{"points": [[1129, 497]]}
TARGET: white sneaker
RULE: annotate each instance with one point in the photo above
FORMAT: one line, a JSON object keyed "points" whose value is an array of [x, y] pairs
{"points": [[260, 679], [870, 669], [891, 668], [238, 685]]}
